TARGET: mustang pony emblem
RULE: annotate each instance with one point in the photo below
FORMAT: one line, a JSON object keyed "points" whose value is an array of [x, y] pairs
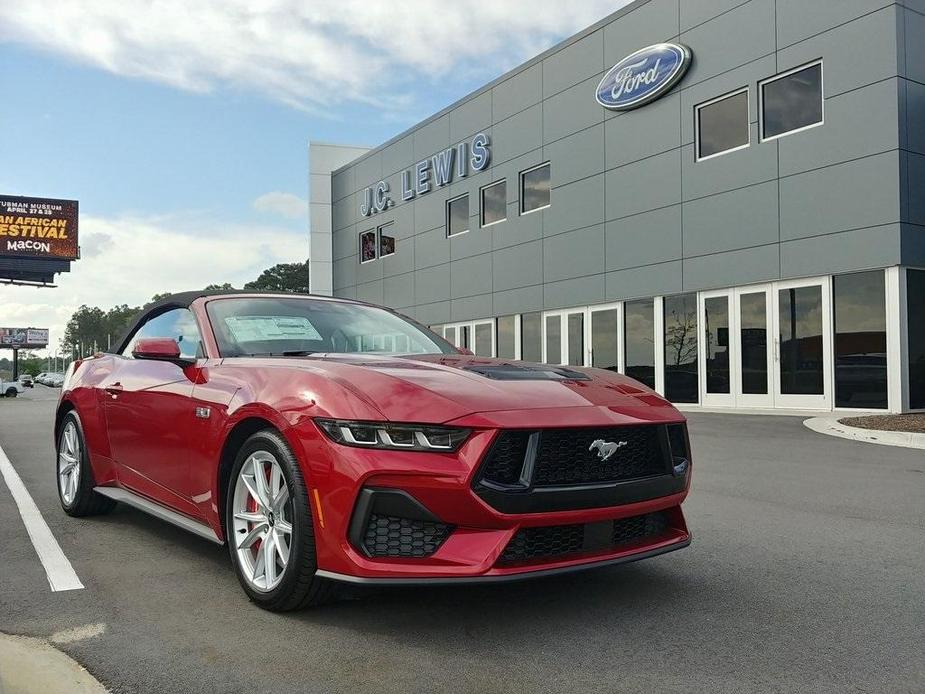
{"points": [[605, 449]]}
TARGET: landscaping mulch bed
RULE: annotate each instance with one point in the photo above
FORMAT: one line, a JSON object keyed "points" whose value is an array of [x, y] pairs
{"points": [[914, 423]]}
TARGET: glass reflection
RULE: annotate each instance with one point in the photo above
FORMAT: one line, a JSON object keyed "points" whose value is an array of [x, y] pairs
{"points": [[915, 302], [506, 337], [801, 360], [860, 339], [604, 339], [531, 337], [553, 340], [639, 341], [576, 339], [753, 315], [681, 384], [716, 343]]}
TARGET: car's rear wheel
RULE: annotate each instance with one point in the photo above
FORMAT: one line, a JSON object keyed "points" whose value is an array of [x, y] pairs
{"points": [[11, 393], [75, 476], [269, 527]]}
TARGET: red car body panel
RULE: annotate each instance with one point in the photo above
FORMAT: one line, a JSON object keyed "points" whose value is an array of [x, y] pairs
{"points": [[142, 432]]}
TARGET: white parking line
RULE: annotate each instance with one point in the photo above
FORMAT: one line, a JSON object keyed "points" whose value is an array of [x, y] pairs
{"points": [[61, 575]]}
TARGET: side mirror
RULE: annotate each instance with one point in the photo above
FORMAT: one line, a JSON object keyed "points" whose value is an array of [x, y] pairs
{"points": [[160, 349]]}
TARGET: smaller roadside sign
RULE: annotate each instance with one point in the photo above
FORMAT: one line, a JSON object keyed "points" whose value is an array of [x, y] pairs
{"points": [[23, 337], [38, 228]]}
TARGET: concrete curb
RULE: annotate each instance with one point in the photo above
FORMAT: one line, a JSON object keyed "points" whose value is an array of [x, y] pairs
{"points": [[832, 427], [32, 666]]}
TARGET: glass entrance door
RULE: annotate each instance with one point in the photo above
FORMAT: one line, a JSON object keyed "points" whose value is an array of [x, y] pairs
{"points": [[719, 349], [754, 357], [605, 337], [564, 337], [802, 344]]}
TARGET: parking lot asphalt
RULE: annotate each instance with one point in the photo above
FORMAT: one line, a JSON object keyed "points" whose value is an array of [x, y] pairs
{"points": [[807, 573]]}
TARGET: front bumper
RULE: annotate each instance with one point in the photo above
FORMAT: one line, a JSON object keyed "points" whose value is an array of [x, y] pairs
{"points": [[474, 550]]}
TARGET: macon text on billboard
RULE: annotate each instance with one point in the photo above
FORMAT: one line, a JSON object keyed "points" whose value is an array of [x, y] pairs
{"points": [[23, 337], [38, 227]]}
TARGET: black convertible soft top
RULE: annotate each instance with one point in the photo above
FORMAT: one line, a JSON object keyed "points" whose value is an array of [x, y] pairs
{"points": [[185, 299]]}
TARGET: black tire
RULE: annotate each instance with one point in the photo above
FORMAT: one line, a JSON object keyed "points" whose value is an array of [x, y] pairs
{"points": [[86, 502], [11, 392], [299, 587]]}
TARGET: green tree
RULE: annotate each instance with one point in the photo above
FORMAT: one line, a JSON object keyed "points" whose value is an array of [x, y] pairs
{"points": [[285, 277], [87, 330], [212, 287]]}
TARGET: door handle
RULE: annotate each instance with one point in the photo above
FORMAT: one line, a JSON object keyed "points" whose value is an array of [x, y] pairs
{"points": [[113, 389]]}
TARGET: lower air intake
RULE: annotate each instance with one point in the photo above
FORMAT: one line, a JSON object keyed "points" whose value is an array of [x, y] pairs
{"points": [[391, 536]]}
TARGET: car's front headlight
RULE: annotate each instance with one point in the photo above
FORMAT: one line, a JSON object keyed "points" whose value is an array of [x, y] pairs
{"points": [[404, 437]]}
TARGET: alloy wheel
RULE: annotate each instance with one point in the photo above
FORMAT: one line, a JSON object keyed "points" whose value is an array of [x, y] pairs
{"points": [[69, 463], [262, 521]]}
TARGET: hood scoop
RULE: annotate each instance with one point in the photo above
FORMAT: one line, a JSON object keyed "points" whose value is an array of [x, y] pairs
{"points": [[515, 372]]}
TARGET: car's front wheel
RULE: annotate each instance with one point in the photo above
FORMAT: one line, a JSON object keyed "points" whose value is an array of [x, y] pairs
{"points": [[11, 393], [269, 527], [75, 476]]}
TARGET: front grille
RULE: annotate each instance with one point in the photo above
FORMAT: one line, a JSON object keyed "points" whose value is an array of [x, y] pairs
{"points": [[560, 541], [577, 456], [390, 536]]}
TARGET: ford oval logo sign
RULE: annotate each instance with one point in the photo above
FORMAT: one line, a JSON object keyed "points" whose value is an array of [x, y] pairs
{"points": [[643, 76]]}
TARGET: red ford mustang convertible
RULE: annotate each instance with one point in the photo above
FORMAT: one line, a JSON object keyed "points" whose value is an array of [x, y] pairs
{"points": [[327, 440]]}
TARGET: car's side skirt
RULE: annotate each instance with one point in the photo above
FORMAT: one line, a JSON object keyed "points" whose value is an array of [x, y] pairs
{"points": [[498, 578], [158, 511]]}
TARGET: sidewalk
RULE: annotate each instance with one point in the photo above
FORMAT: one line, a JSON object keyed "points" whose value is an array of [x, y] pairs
{"points": [[31, 666]]}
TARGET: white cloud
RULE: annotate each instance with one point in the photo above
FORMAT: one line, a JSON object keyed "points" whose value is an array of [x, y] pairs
{"points": [[285, 204], [311, 54], [135, 258]]}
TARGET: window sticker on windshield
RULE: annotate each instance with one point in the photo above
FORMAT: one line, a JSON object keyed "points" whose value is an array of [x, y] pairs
{"points": [[258, 328]]}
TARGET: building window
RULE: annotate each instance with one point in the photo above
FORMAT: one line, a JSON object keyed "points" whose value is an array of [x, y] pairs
{"points": [[457, 215], [507, 337], [722, 125], [791, 102], [639, 340], [531, 337], [604, 339], [534, 189], [716, 344], [681, 384], [553, 339], [483, 339], [386, 241], [915, 304], [494, 203], [801, 358], [860, 339], [367, 246]]}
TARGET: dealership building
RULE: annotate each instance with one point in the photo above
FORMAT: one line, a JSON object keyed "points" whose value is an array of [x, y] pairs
{"points": [[722, 199]]}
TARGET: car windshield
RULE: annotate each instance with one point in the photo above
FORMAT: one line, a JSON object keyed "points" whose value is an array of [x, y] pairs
{"points": [[284, 326]]}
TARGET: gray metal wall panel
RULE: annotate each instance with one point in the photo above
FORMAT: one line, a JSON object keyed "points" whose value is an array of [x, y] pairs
{"points": [[914, 120], [915, 167], [518, 266], [398, 290], [521, 300], [431, 138], [738, 219], [643, 239], [643, 133], [644, 185], [700, 11], [471, 117], [731, 39], [433, 313], [345, 272], [518, 134], [470, 276], [579, 291], [471, 307], [799, 19], [572, 110], [651, 280], [577, 156], [573, 206], [582, 59], [398, 155], [844, 252], [756, 164], [517, 93], [913, 245], [432, 284], [574, 254], [431, 248], [516, 230], [370, 291], [652, 22], [914, 45], [732, 268], [857, 124], [856, 194]]}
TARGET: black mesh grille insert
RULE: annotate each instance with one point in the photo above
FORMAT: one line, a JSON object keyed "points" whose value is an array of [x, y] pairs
{"points": [[558, 541], [551, 541], [578, 456], [389, 536], [566, 456], [506, 458]]}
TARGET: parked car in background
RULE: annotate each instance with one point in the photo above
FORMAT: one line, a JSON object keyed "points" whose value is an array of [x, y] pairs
{"points": [[328, 440], [54, 380], [10, 389], [41, 377], [26, 380]]}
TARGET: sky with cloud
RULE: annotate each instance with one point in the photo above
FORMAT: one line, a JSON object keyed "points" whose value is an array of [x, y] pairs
{"points": [[182, 127]]}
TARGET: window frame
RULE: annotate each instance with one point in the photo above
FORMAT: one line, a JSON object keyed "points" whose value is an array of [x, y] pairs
{"points": [[780, 76], [129, 345], [482, 224], [375, 246], [722, 97], [520, 190], [379, 229], [449, 202]]}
